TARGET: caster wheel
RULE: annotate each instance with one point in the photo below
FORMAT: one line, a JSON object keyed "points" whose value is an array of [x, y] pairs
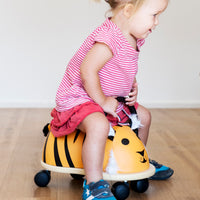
{"points": [[42, 178], [140, 186], [77, 176], [120, 190]]}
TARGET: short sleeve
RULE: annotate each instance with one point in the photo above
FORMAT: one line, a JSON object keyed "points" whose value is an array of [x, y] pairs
{"points": [[107, 36], [140, 43]]}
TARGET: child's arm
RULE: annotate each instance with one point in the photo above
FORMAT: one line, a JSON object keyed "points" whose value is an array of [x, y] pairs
{"points": [[91, 65], [133, 94]]}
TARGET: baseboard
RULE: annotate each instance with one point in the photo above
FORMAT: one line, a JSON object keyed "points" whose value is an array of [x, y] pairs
{"points": [[171, 104], [27, 104], [51, 104]]}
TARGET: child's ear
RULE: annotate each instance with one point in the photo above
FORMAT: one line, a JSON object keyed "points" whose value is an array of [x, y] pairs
{"points": [[128, 10]]}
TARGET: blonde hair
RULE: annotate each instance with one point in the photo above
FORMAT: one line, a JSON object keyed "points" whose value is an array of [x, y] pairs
{"points": [[116, 4]]}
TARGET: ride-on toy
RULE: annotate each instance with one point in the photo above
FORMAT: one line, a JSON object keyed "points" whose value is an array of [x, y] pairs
{"points": [[125, 160]]}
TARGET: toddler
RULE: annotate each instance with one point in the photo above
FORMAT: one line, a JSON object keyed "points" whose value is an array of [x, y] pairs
{"points": [[103, 68]]}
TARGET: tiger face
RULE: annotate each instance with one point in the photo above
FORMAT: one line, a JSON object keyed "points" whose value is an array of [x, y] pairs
{"points": [[126, 153]]}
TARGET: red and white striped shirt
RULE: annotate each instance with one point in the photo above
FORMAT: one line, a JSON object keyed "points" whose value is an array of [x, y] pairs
{"points": [[116, 76]]}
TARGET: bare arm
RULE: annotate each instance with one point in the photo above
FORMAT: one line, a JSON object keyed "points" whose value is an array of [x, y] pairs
{"points": [[91, 65]]}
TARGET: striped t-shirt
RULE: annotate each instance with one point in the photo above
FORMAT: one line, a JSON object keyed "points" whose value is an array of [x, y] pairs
{"points": [[116, 76]]}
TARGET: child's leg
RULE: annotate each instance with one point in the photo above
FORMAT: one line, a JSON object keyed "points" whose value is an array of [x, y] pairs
{"points": [[144, 116], [96, 127], [162, 172]]}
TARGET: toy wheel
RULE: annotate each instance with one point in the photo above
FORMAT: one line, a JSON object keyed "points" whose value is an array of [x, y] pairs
{"points": [[140, 186], [120, 190], [77, 176], [42, 178]]}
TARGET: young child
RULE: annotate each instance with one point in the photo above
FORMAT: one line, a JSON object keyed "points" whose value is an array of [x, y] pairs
{"points": [[102, 69]]}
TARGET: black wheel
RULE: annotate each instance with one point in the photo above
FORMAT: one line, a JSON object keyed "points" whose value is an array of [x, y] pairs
{"points": [[140, 186], [42, 178], [120, 190], [77, 176]]}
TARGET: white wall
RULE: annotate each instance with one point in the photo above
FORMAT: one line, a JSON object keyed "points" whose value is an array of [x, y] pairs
{"points": [[38, 37]]}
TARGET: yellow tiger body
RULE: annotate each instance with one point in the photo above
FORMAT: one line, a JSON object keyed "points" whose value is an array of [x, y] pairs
{"points": [[125, 153]]}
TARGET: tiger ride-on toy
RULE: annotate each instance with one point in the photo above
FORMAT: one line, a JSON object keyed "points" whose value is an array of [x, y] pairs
{"points": [[125, 161]]}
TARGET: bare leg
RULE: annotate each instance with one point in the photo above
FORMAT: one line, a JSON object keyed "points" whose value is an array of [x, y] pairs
{"points": [[96, 127], [144, 116]]}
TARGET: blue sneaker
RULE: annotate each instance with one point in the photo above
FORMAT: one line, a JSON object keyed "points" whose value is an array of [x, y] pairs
{"points": [[162, 172], [97, 191]]}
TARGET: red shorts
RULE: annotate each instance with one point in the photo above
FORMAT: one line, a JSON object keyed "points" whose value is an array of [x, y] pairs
{"points": [[64, 123]]}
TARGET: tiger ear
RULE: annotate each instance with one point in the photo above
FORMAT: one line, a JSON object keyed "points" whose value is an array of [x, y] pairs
{"points": [[111, 138], [46, 130]]}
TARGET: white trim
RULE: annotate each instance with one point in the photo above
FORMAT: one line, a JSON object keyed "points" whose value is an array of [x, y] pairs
{"points": [[27, 104], [112, 177], [171, 104], [51, 104]]}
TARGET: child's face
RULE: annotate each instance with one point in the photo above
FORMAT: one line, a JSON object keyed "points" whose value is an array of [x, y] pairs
{"points": [[145, 19]]}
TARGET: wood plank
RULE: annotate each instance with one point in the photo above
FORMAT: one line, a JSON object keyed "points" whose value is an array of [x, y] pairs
{"points": [[174, 140]]}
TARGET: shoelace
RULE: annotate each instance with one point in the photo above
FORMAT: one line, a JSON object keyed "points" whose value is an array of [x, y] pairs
{"points": [[100, 188], [156, 164], [102, 191]]}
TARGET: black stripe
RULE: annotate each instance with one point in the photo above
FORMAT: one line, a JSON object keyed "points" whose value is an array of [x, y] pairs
{"points": [[56, 155], [44, 151], [84, 139], [132, 110], [136, 132], [69, 160], [76, 136]]}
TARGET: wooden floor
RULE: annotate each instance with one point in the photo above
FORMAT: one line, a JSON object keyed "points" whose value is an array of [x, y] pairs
{"points": [[174, 140]]}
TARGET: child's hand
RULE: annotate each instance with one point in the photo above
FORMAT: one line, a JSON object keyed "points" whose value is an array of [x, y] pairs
{"points": [[110, 106], [131, 100]]}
